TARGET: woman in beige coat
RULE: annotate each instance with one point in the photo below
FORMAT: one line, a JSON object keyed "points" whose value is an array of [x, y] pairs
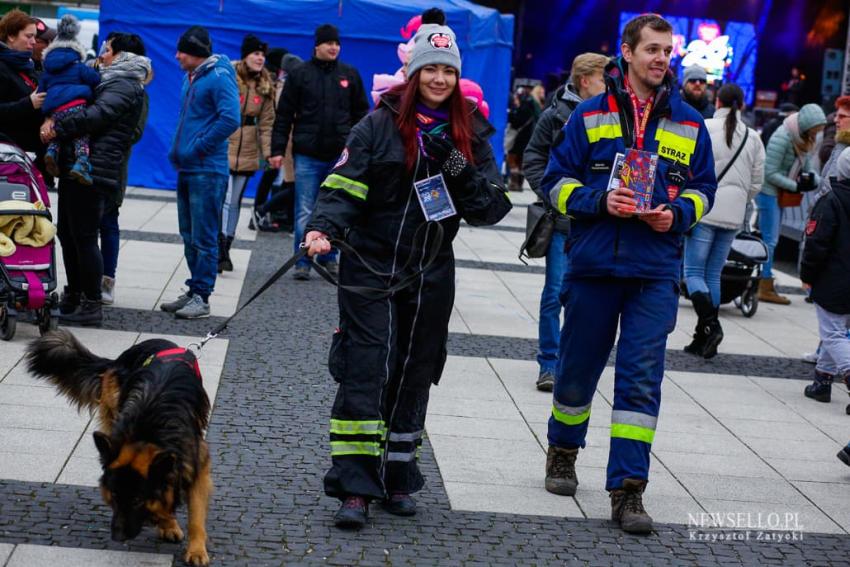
{"points": [[249, 146]]}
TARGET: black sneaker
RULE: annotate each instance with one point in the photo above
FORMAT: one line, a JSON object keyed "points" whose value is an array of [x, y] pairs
{"points": [[88, 314], [69, 301], [561, 471], [820, 389], [400, 505], [844, 455], [352, 514], [546, 381], [627, 507]]}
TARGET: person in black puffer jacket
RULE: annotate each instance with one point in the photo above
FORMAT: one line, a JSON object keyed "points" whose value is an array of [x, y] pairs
{"points": [[110, 121], [825, 269]]}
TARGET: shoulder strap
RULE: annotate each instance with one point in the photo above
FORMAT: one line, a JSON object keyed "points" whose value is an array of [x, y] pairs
{"points": [[737, 153]]}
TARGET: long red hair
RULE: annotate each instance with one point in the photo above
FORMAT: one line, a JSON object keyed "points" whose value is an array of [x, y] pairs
{"points": [[460, 122]]}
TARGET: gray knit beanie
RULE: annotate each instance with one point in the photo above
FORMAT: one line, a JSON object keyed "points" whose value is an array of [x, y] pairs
{"points": [[842, 165], [435, 43]]}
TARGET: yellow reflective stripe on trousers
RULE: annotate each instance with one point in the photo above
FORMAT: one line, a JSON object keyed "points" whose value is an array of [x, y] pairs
{"points": [[346, 427], [341, 448], [570, 416], [633, 432], [700, 203], [633, 425], [354, 188]]}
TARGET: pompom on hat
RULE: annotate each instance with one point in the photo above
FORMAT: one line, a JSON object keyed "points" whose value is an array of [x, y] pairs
{"points": [[435, 43]]}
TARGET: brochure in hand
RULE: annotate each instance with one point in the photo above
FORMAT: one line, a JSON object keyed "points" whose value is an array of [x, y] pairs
{"points": [[635, 170]]}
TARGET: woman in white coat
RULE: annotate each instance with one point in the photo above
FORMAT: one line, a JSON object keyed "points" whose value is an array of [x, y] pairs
{"points": [[708, 244]]}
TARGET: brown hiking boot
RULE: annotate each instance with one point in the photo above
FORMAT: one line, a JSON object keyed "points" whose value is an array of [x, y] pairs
{"points": [[768, 293], [627, 507], [561, 471]]}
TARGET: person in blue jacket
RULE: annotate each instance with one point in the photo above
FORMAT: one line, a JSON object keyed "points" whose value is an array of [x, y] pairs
{"points": [[624, 266], [209, 114]]}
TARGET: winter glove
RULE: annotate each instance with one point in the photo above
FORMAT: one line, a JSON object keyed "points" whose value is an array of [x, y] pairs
{"points": [[442, 151], [806, 182]]}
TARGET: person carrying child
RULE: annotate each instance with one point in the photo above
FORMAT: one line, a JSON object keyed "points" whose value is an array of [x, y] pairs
{"points": [[69, 84], [825, 270]]}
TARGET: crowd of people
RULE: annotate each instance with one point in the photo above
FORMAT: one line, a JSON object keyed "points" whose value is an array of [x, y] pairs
{"points": [[646, 181]]}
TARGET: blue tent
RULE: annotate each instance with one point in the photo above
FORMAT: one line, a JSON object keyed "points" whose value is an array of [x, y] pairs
{"points": [[369, 30]]}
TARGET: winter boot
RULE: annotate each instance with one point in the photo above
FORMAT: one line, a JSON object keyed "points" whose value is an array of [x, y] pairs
{"points": [[224, 262], [515, 183], [68, 301], [714, 336], [703, 308], [821, 389], [81, 172], [400, 505], [88, 314], [627, 507], [767, 292], [107, 290], [561, 471], [51, 160], [353, 513]]}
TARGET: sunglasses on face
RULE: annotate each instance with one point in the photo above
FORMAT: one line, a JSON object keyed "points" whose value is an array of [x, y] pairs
{"points": [[700, 81]]}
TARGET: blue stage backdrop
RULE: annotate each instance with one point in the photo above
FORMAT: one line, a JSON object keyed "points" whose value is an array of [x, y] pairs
{"points": [[726, 50], [370, 32]]}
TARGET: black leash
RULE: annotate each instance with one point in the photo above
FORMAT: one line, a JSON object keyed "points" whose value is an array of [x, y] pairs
{"points": [[369, 292]]}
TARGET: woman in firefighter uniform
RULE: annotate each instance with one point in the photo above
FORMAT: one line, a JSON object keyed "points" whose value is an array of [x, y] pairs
{"points": [[421, 156]]}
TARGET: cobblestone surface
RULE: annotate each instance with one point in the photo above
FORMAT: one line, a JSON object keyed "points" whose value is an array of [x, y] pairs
{"points": [[269, 445]]}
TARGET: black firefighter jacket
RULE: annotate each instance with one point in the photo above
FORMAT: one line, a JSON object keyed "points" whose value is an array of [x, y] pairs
{"points": [[826, 256], [369, 196], [320, 103]]}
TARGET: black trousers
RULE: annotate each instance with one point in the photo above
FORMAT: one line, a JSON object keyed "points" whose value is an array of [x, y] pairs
{"points": [[385, 356], [80, 211]]}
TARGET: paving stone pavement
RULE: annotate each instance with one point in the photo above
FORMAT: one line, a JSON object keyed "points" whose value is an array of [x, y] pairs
{"points": [[268, 436]]}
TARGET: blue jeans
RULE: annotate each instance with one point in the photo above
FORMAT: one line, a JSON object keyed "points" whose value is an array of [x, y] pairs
{"points": [[309, 175], [110, 236], [200, 197], [769, 218], [549, 327], [706, 250], [236, 184]]}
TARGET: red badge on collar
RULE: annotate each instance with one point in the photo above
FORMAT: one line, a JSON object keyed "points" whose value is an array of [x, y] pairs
{"points": [[343, 82], [811, 226]]}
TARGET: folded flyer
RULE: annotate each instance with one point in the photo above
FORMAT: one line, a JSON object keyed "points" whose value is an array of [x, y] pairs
{"points": [[635, 170]]}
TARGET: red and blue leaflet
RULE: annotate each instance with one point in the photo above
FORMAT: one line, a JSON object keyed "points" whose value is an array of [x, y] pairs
{"points": [[635, 170]]}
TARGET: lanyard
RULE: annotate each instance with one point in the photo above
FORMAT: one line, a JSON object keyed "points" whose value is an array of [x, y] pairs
{"points": [[641, 119]]}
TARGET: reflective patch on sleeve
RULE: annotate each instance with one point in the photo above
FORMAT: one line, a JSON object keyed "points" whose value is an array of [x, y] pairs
{"points": [[699, 200], [560, 193], [602, 125], [677, 140], [354, 188], [811, 227]]}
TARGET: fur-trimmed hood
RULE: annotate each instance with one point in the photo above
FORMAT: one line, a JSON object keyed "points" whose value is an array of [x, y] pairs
{"points": [[65, 44], [265, 84]]}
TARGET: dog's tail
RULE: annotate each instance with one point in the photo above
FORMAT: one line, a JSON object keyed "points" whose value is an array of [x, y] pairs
{"points": [[61, 359]]}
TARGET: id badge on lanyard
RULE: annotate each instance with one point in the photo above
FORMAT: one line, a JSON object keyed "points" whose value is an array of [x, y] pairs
{"points": [[434, 198]]}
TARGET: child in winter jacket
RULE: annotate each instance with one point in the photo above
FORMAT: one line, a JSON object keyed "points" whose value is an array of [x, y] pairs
{"points": [[825, 268], [70, 84]]}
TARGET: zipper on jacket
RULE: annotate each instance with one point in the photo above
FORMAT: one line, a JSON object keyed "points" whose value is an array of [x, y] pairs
{"points": [[186, 105]]}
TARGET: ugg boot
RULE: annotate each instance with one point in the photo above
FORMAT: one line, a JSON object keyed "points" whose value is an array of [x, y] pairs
{"points": [[767, 292], [821, 389], [88, 314], [627, 507]]}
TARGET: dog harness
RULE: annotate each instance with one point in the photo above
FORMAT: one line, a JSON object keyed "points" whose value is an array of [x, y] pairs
{"points": [[180, 355]]}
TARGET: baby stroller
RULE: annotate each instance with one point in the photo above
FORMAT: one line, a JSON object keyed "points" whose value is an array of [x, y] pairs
{"points": [[739, 280], [28, 274]]}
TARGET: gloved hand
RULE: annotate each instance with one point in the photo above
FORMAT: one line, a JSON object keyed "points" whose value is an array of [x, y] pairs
{"points": [[442, 151], [806, 182]]}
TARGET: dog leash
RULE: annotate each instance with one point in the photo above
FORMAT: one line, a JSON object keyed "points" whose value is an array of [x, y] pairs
{"points": [[365, 291]]}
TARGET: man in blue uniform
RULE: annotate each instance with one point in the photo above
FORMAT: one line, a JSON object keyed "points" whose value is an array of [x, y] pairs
{"points": [[625, 258]]}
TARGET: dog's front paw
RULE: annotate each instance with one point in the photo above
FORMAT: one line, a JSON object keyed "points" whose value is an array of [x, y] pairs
{"points": [[170, 532], [197, 556]]}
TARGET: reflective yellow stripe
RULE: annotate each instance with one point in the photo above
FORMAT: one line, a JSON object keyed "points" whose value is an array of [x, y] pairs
{"points": [[699, 206], [674, 146], [343, 427], [568, 419], [566, 190], [606, 131], [354, 188], [340, 448], [633, 432]]}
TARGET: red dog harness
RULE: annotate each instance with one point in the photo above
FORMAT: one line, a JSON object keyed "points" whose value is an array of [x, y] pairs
{"points": [[180, 355]]}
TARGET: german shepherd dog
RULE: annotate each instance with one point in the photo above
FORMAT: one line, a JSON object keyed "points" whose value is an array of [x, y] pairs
{"points": [[152, 411]]}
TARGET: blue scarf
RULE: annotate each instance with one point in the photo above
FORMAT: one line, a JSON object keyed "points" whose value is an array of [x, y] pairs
{"points": [[16, 60]]}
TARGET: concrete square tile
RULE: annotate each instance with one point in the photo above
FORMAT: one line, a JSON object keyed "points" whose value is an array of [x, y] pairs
{"points": [[672, 509], [828, 471], [720, 487], [823, 450], [476, 427], [735, 465], [26, 555], [745, 428], [719, 443], [31, 396], [480, 409], [825, 496], [57, 419], [796, 515], [510, 500], [30, 468], [5, 552], [38, 441], [81, 471]]}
